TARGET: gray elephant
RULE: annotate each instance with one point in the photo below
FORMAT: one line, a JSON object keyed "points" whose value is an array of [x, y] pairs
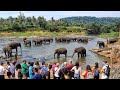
{"points": [[8, 51], [60, 51], [79, 39], [80, 50], [101, 44], [84, 39], [73, 39], [37, 41], [27, 42], [110, 41], [15, 45]]}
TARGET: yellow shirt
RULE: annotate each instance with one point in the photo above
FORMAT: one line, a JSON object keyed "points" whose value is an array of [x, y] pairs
{"points": [[99, 69]]}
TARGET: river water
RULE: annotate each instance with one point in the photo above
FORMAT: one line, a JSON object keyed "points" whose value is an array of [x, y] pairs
{"points": [[46, 52]]}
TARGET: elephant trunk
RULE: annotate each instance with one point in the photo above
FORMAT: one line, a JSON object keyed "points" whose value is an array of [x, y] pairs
{"points": [[21, 49], [54, 55], [73, 54]]}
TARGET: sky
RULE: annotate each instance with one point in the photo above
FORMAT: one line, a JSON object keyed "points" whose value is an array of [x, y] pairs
{"points": [[60, 14]]}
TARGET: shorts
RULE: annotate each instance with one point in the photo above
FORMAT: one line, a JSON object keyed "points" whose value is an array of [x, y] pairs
{"points": [[2, 77], [77, 76], [8, 74]]}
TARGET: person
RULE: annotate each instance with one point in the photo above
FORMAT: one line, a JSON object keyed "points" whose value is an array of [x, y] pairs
{"points": [[69, 67], [2, 71], [61, 71], [24, 69], [36, 75], [96, 71], [18, 71], [49, 73], [37, 65], [77, 70], [31, 72], [56, 72], [66, 74], [12, 70], [53, 67], [105, 70], [8, 70], [44, 70], [88, 74]]}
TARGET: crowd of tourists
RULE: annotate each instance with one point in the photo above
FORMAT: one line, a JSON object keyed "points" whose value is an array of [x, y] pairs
{"points": [[66, 70]]}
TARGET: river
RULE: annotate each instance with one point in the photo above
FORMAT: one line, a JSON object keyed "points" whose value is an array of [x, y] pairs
{"points": [[46, 52]]}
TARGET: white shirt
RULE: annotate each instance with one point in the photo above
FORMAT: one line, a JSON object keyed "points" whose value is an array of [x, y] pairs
{"points": [[104, 76], [76, 71], [56, 71], [1, 70]]}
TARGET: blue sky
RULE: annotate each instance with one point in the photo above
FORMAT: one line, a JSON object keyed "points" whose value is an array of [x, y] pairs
{"points": [[61, 14]]}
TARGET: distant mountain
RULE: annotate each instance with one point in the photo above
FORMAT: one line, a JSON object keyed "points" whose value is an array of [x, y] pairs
{"points": [[88, 19]]}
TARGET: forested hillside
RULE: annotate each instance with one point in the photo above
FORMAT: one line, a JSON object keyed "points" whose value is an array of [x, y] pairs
{"points": [[90, 25]]}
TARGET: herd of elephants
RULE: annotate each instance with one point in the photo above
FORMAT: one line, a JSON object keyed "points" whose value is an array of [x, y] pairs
{"points": [[7, 49]]}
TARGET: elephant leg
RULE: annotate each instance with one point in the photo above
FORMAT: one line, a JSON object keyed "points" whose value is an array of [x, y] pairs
{"points": [[57, 56], [78, 55], [5, 55], [30, 44], [65, 55], [16, 51]]}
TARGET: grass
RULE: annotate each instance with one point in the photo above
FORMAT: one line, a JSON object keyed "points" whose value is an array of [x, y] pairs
{"points": [[38, 33], [110, 35]]}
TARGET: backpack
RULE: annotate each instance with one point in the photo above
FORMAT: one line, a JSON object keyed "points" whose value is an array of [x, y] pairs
{"points": [[96, 72], [107, 71], [89, 75]]}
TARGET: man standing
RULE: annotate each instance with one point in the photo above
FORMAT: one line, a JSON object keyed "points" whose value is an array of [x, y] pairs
{"points": [[105, 70], [12, 69], [2, 71], [24, 69]]}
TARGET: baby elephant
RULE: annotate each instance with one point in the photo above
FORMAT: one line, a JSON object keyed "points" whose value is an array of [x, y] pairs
{"points": [[8, 51], [101, 44], [27, 42]]}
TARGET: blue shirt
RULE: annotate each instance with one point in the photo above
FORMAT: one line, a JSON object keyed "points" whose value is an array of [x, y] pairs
{"points": [[43, 70], [12, 69], [37, 76], [30, 71]]}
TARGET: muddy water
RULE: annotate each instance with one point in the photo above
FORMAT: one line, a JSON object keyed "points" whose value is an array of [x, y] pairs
{"points": [[46, 52]]}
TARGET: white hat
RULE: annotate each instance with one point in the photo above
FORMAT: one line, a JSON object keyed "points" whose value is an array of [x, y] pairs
{"points": [[65, 63]]}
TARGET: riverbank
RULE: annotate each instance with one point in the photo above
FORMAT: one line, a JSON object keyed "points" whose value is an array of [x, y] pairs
{"points": [[109, 35], [113, 52], [37, 34]]}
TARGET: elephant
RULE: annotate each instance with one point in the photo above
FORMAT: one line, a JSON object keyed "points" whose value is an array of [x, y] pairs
{"points": [[45, 40], [84, 39], [27, 42], [101, 44], [60, 51], [37, 41], [111, 41], [73, 39], [15, 45], [80, 50], [8, 51], [79, 39], [62, 39]]}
